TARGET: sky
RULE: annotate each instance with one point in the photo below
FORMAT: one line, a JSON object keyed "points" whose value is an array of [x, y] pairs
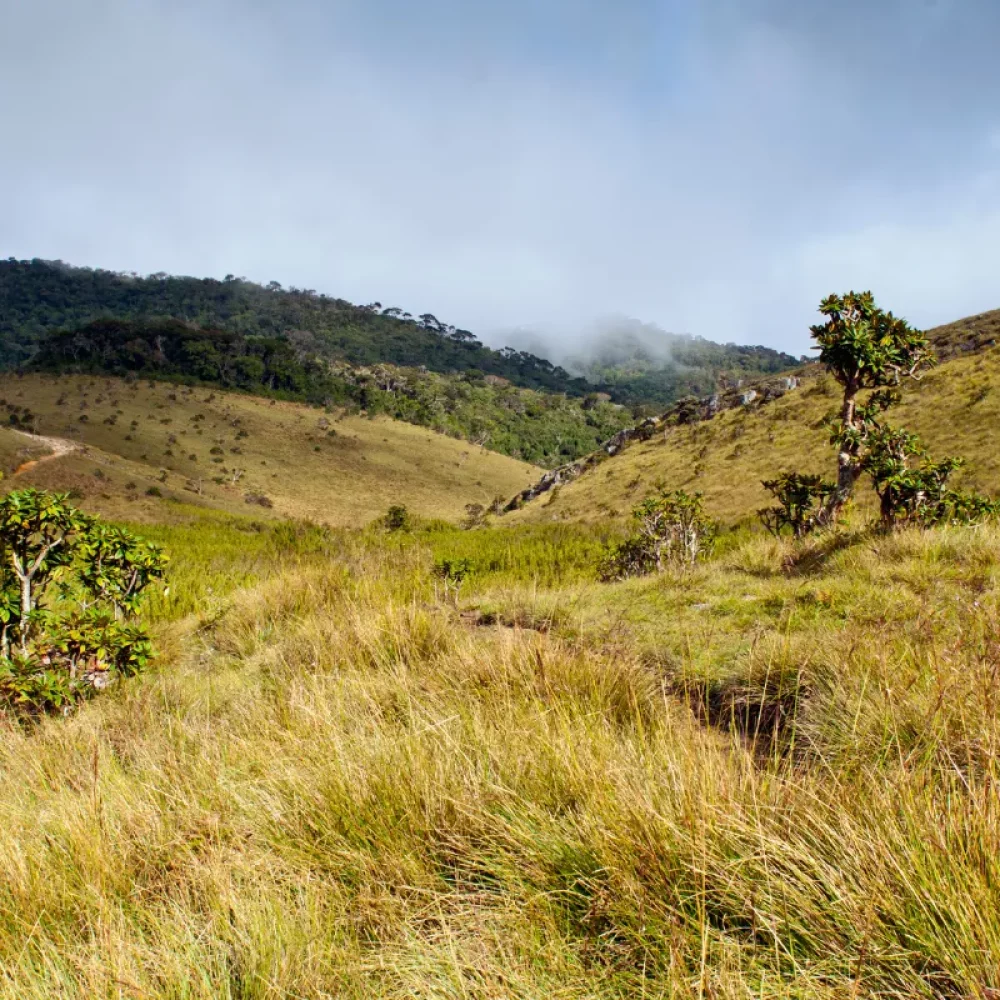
{"points": [[714, 167]]}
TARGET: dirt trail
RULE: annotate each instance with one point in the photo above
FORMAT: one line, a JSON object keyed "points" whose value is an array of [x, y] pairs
{"points": [[59, 446]]}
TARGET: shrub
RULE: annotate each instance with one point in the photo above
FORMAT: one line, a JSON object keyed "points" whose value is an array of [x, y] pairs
{"points": [[917, 495], [51, 658], [453, 573], [475, 516], [672, 529], [397, 518], [801, 501], [632, 557]]}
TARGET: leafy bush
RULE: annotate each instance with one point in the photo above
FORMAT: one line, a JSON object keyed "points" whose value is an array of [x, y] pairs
{"points": [[453, 573], [801, 500], [397, 518], [70, 591], [917, 495], [672, 529]]}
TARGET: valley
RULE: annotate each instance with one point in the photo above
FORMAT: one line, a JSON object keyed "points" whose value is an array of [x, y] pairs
{"points": [[397, 744]]}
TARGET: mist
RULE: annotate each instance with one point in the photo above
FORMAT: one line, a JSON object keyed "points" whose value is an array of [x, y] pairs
{"points": [[710, 168]]}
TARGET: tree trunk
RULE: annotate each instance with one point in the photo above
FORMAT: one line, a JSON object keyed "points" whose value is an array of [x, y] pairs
{"points": [[848, 462], [25, 611]]}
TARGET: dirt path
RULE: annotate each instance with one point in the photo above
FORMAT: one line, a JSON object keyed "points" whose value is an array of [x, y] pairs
{"points": [[59, 446]]}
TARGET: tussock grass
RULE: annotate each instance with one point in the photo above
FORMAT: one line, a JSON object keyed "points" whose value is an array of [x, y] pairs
{"points": [[336, 787]]}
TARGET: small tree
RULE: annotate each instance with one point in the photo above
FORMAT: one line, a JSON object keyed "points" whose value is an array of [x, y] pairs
{"points": [[863, 347], [50, 548], [917, 495], [475, 516], [801, 500], [674, 526], [397, 518], [671, 528], [37, 530], [453, 573]]}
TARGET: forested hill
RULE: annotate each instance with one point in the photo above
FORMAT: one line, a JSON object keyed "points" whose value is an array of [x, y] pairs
{"points": [[637, 364], [545, 428], [38, 296], [640, 363]]}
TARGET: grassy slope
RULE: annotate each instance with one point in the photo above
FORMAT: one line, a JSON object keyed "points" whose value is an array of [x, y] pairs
{"points": [[771, 777], [345, 479], [956, 408], [336, 787]]}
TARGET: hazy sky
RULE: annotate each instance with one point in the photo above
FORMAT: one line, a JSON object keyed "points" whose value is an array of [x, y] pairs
{"points": [[715, 167]]}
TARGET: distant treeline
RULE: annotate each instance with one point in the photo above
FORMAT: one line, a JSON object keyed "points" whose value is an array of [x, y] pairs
{"points": [[654, 369], [38, 296], [539, 427]]}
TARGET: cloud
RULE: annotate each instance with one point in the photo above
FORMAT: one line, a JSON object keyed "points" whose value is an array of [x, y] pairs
{"points": [[714, 168]]}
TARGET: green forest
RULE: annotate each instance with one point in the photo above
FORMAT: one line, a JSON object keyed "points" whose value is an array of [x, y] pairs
{"points": [[40, 296]]}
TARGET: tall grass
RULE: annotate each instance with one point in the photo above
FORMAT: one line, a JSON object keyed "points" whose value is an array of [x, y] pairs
{"points": [[339, 788]]}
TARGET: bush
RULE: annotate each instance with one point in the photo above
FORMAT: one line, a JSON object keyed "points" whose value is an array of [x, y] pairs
{"points": [[672, 530], [50, 658], [801, 502], [453, 573], [397, 518]]}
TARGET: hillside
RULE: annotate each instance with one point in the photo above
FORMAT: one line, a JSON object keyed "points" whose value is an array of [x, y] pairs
{"points": [[955, 408], [140, 438], [541, 427], [639, 363], [39, 296], [451, 764], [642, 365], [634, 363]]}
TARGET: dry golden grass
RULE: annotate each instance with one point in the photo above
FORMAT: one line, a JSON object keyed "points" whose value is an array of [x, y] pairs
{"points": [[333, 787], [343, 473], [956, 408]]}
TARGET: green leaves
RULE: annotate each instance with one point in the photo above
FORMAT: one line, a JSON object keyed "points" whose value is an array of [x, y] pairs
{"points": [[865, 347], [801, 499], [116, 567], [49, 549], [671, 529]]}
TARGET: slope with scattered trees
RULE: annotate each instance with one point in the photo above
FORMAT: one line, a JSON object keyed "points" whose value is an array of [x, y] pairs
{"points": [[728, 445], [539, 427]]}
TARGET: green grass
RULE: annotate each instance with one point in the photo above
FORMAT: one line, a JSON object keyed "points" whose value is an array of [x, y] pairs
{"points": [[772, 776]]}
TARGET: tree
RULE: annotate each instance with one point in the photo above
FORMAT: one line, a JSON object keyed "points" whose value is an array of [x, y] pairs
{"points": [[99, 572], [453, 573], [397, 518], [918, 495], [116, 566], [863, 347], [37, 530]]}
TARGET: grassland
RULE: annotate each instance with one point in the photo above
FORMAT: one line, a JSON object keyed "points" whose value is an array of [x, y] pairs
{"points": [[956, 409], [771, 776], [774, 776], [189, 444]]}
